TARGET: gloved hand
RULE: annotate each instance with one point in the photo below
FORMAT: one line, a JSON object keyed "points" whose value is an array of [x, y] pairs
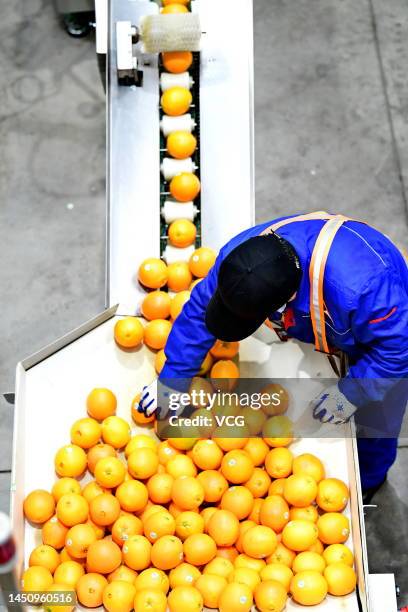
{"points": [[332, 406], [148, 400]]}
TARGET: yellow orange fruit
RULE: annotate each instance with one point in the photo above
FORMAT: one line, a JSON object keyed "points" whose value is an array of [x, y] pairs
{"points": [[300, 490], [341, 579], [181, 465], [223, 527], [158, 525], [245, 561], [245, 575], [334, 528], [270, 595], [283, 555], [257, 449], [115, 431], [278, 462], [188, 523], [143, 463], [85, 432], [224, 375], [159, 488], [103, 557], [69, 573], [172, 9], [206, 365], [184, 575], [279, 572], [177, 61], [153, 273], [132, 495], [317, 547], [129, 332], [201, 261], [137, 552], [119, 596], [72, 509], [65, 485], [277, 487], [177, 303], [182, 233], [187, 493], [45, 556], [156, 333], [123, 573], [124, 527], [256, 511], [309, 464], [210, 586], [274, 513], [101, 403], [299, 535], [70, 461], [220, 566], [238, 500], [92, 490], [308, 513], [78, 540], [236, 597], [140, 441], [39, 506], [156, 305], [185, 599], [338, 553], [152, 578], [259, 542], [278, 431], [150, 600], [258, 483], [227, 552], [110, 472], [100, 451], [185, 187], [36, 578], [237, 466], [181, 144], [207, 455], [308, 588], [183, 444], [213, 483], [308, 561], [104, 509], [90, 589], [199, 549], [179, 280], [176, 101], [53, 533], [332, 495], [244, 526], [167, 552]]}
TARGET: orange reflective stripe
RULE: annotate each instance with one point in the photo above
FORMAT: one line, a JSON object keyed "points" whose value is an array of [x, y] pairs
{"points": [[319, 215]]}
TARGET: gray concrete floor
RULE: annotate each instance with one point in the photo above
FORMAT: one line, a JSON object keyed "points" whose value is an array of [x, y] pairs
{"points": [[331, 133]]}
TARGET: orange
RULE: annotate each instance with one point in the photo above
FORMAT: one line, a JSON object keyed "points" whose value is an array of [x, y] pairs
{"points": [[277, 487], [78, 540], [223, 527], [85, 433], [59, 589], [45, 556], [282, 555], [54, 533], [341, 579], [310, 465], [150, 600], [259, 542], [334, 528], [177, 61], [210, 587], [149, 510], [137, 552], [99, 530], [179, 279], [188, 523], [308, 560], [129, 332], [244, 526], [278, 431], [227, 552], [236, 598], [338, 553], [224, 350], [119, 596], [100, 451], [101, 403], [274, 513], [237, 466], [185, 599], [299, 535], [159, 524], [224, 374], [36, 578], [201, 261], [153, 273], [207, 514], [183, 444], [152, 578], [213, 483], [207, 455], [173, 9], [72, 509], [182, 233], [65, 485], [39, 506], [308, 588], [65, 556], [132, 495], [255, 514], [69, 573], [199, 549], [185, 187], [254, 420], [159, 362], [176, 101], [206, 365], [187, 493], [104, 509], [156, 305], [181, 144], [332, 495], [170, 2], [103, 557], [110, 472], [257, 449], [300, 490], [238, 500], [245, 575], [70, 461], [219, 566], [115, 431], [123, 573], [270, 595], [156, 333], [181, 465], [308, 513], [143, 463], [279, 572], [183, 575], [140, 441], [165, 452], [178, 302], [200, 389], [138, 417], [126, 526], [278, 400], [278, 462], [246, 561], [90, 589], [259, 482], [167, 552], [92, 490], [159, 488]]}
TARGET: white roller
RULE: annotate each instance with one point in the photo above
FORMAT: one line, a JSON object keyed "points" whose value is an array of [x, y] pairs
{"points": [[173, 254], [167, 32], [173, 210], [171, 167], [183, 123], [168, 80]]}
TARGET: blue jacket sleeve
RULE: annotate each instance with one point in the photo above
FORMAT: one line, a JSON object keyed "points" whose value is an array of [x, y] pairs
{"points": [[189, 340], [380, 325]]}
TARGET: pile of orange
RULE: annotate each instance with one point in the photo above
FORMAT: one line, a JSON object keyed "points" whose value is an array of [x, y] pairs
{"points": [[133, 523]]}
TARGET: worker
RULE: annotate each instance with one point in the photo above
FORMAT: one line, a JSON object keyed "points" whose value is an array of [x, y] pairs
{"points": [[331, 281]]}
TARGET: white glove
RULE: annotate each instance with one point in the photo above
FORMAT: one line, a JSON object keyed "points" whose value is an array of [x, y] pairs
{"points": [[331, 406], [148, 399]]}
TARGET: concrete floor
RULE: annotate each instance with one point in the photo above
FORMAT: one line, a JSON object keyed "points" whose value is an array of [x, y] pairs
{"points": [[331, 132]]}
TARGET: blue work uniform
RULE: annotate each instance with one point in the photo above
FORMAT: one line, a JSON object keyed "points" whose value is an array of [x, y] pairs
{"points": [[366, 296]]}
